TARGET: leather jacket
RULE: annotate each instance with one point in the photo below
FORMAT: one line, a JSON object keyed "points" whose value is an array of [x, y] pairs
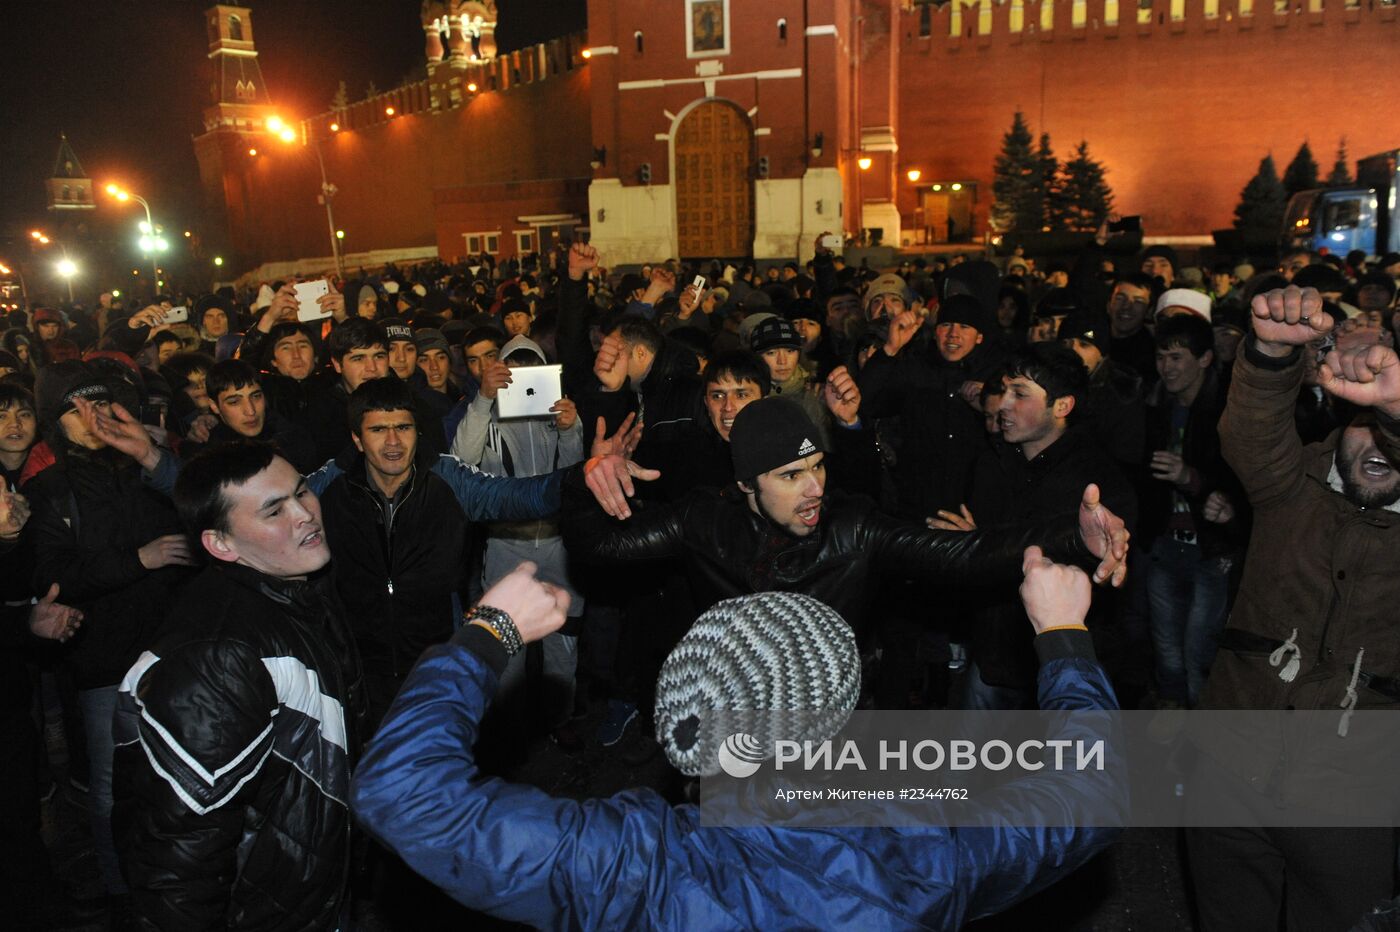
{"points": [[728, 550]]}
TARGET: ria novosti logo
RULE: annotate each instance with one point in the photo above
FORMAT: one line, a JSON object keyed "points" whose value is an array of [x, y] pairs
{"points": [[741, 755]]}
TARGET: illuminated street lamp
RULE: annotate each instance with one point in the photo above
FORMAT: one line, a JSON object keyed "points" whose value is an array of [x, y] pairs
{"points": [[67, 268], [218, 260], [149, 229], [328, 190]]}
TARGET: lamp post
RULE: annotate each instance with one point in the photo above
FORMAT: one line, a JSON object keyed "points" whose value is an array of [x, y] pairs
{"points": [[123, 195], [67, 268], [282, 131]]}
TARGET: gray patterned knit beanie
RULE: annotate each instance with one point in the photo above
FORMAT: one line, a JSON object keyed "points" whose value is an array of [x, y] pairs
{"points": [[771, 665]]}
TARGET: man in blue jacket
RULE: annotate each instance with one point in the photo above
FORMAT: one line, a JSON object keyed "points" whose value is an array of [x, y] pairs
{"points": [[632, 860]]}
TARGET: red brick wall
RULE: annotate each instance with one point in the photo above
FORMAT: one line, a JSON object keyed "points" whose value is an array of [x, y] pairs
{"points": [[627, 120], [1181, 113], [387, 173], [493, 208]]}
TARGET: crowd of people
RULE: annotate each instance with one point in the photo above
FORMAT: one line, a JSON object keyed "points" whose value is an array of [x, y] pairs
{"points": [[274, 576]]}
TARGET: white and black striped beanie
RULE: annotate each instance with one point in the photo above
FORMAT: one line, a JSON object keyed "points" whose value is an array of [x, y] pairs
{"points": [[771, 665]]}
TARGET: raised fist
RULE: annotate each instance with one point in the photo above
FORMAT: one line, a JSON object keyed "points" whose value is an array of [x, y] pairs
{"points": [[583, 259], [1288, 317], [1363, 375]]}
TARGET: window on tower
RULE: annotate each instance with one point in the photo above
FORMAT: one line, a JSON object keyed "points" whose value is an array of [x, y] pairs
{"points": [[235, 28]]}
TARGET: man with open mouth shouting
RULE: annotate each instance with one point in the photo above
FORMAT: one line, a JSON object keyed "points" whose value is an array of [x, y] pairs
{"points": [[780, 528]]}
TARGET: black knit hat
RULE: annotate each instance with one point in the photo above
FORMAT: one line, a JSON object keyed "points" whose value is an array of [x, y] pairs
{"points": [[773, 333], [59, 383], [966, 310], [1088, 326], [755, 669], [802, 309], [1160, 252], [769, 433]]}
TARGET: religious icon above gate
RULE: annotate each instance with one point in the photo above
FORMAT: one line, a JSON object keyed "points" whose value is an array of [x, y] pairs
{"points": [[707, 28]]}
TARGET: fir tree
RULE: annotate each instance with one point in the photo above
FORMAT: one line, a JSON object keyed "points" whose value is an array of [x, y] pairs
{"points": [[1016, 203], [371, 90], [1301, 173], [1084, 195], [1341, 168], [341, 100], [1259, 216], [1052, 207]]}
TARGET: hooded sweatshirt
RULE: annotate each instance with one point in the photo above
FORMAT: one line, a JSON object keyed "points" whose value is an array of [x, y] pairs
{"points": [[520, 447]]}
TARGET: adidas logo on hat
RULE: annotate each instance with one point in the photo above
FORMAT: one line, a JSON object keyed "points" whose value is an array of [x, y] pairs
{"points": [[807, 448]]}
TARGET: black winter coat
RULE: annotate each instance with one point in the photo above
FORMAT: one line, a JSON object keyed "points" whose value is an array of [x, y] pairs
{"points": [[235, 738], [1201, 450], [395, 569], [91, 514], [316, 405], [1009, 491], [940, 433], [291, 441]]}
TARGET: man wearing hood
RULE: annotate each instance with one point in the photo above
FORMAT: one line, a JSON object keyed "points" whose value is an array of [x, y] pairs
{"points": [[438, 390], [526, 446]]}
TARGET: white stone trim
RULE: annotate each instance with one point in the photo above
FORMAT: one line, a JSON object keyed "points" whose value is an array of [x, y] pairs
{"points": [[827, 30], [773, 75], [601, 50]]}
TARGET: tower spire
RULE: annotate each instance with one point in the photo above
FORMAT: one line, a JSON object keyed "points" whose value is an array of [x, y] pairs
{"points": [[238, 96], [68, 186]]}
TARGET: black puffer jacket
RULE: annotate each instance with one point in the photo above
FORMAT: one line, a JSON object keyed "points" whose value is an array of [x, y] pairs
{"points": [[728, 550], [940, 434], [91, 514], [235, 738], [316, 404]]}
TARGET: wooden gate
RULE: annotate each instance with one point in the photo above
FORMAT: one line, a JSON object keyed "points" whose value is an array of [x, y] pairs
{"points": [[714, 190]]}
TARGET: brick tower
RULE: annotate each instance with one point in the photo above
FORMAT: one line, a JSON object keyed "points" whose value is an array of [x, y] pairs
{"points": [[235, 124]]}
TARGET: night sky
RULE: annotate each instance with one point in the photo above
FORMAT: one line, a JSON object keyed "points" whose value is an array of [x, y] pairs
{"points": [[127, 81]]}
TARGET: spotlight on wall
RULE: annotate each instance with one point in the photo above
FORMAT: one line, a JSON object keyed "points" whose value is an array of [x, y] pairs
{"points": [[956, 186], [763, 166], [817, 141], [914, 174], [644, 173], [600, 156], [864, 162], [602, 214]]}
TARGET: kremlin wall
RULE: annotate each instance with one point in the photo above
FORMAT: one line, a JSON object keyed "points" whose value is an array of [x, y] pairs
{"points": [[747, 127]]}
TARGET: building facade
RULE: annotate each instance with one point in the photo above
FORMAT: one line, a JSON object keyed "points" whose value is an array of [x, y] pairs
{"points": [[735, 128]]}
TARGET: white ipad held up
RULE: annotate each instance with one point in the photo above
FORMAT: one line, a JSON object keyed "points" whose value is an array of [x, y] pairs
{"points": [[532, 391]]}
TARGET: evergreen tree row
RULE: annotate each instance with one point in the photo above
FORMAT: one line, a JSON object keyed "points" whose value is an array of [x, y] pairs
{"points": [[1033, 192], [1264, 200]]}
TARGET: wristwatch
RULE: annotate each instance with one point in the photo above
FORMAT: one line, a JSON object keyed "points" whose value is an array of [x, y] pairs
{"points": [[499, 622]]}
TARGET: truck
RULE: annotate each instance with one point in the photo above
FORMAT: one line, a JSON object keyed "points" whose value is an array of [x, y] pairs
{"points": [[1361, 216]]}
